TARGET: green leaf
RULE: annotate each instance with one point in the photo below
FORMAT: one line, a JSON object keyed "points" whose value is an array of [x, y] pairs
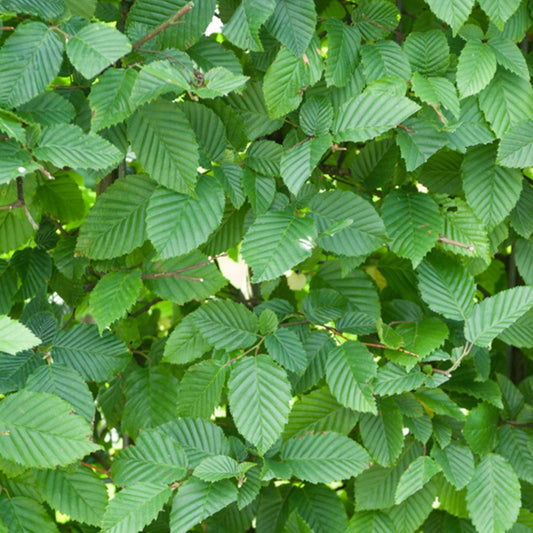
{"points": [[323, 305], [524, 259], [375, 19], [216, 468], [414, 223], [151, 398], [284, 346], [324, 457], [515, 446], [14, 337], [496, 313], [200, 389], [185, 343], [493, 495], [316, 116], [226, 324], [67, 145], [110, 98], [298, 163], [370, 114], [154, 456], [79, 494], [135, 507], [165, 144], [436, 91], [506, 101], [259, 396], [63, 381], [293, 24], [382, 433], [29, 60], [343, 52], [114, 295], [382, 59], [95, 47], [392, 379], [438, 401], [277, 241], [95, 357], [446, 286], [428, 53], [457, 463], [62, 198], [364, 231], [177, 223], [115, 224], [82, 8], [499, 12], [319, 411], [50, 10], [243, 27], [47, 108], [480, 430], [419, 472], [476, 67], [58, 436], [197, 500], [509, 56], [454, 12], [220, 81], [521, 219], [516, 147], [19, 510], [349, 368], [268, 321], [370, 522], [492, 191]]}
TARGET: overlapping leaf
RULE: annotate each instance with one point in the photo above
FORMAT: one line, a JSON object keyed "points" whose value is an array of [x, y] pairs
{"points": [[15, 337]]}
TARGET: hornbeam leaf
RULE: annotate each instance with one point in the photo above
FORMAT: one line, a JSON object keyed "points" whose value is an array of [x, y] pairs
{"points": [[343, 52], [95, 47], [18, 510], [476, 67], [509, 56], [259, 396], [216, 468], [457, 463], [496, 313], [493, 495], [392, 379], [418, 473], [58, 436], [324, 457], [454, 12], [29, 60], [67, 145], [369, 115], [135, 507], [499, 12], [284, 346], [516, 147], [14, 337], [428, 53], [276, 242]]}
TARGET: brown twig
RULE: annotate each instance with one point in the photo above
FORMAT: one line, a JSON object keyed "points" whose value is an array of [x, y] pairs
{"points": [[443, 372], [20, 197], [172, 274], [518, 424], [383, 346], [445, 240], [145, 308], [6, 28], [396, 32], [172, 21], [69, 319], [406, 128]]}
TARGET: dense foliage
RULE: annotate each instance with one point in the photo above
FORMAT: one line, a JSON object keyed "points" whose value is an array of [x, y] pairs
{"points": [[268, 277]]}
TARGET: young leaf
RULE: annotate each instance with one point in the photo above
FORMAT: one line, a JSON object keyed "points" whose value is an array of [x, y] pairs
{"points": [[454, 13], [516, 147], [480, 429], [343, 52], [457, 463], [476, 67], [14, 337], [419, 472], [285, 347]]}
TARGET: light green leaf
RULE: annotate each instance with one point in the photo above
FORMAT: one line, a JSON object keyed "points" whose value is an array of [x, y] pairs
{"points": [[515, 446], [115, 224], [197, 500], [521, 219], [277, 241], [14, 337], [323, 305], [343, 52], [219, 81], [480, 430], [185, 343], [58, 436], [370, 114], [298, 163], [499, 12], [419, 472], [428, 53], [135, 507], [496, 313], [154, 456], [382, 433], [414, 223], [226, 324], [436, 91], [370, 522], [382, 59], [375, 19], [268, 321], [392, 379], [446, 286], [114, 295], [67, 145], [516, 147], [110, 98], [476, 67], [66, 383], [259, 396], [284, 346], [524, 259], [438, 401], [29, 60], [47, 108], [19, 510], [457, 463], [349, 368], [324, 457], [79, 494], [200, 389], [82, 8], [454, 12], [177, 223], [316, 116], [95, 357], [293, 24], [216, 468], [62, 198], [509, 56], [165, 144], [319, 411], [493, 495], [95, 47], [51, 10], [491, 191]]}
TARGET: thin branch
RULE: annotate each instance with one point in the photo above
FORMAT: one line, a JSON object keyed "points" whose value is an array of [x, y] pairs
{"points": [[12, 205], [172, 274], [46, 173], [383, 346], [145, 308], [396, 32], [443, 372], [60, 228], [255, 347], [466, 350], [518, 424], [70, 319], [406, 128], [20, 197], [445, 240], [6, 28], [172, 21]]}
